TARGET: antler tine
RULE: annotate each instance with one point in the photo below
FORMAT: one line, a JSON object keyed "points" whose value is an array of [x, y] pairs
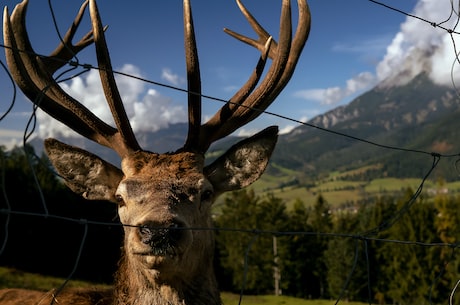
{"points": [[35, 80], [298, 43], [129, 142], [193, 80], [33, 74], [243, 108], [264, 36], [66, 49]]}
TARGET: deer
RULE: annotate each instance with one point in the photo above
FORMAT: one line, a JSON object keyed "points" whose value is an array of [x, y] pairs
{"points": [[164, 201]]}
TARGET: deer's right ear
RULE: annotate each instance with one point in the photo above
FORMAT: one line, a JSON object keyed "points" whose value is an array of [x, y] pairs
{"points": [[84, 173]]}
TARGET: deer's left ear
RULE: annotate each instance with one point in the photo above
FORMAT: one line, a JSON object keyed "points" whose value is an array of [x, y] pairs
{"points": [[84, 173], [243, 163]]}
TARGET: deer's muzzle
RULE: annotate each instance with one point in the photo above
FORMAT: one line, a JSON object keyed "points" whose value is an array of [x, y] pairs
{"points": [[162, 240]]}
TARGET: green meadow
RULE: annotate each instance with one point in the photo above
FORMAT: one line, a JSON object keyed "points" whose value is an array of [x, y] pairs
{"points": [[340, 188], [11, 278]]}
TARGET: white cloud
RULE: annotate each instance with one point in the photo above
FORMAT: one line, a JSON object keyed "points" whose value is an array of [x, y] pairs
{"points": [[9, 133], [244, 132], [360, 82], [373, 45], [333, 95], [286, 129], [418, 46], [169, 76], [11, 138], [310, 94], [147, 109], [443, 61]]}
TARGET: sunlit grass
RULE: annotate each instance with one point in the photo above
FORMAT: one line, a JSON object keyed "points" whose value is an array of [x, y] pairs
{"points": [[338, 190], [11, 278], [233, 299]]}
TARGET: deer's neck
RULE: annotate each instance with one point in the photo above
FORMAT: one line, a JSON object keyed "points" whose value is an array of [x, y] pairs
{"points": [[137, 286]]}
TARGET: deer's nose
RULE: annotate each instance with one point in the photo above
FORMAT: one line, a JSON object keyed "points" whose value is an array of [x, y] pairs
{"points": [[160, 236]]}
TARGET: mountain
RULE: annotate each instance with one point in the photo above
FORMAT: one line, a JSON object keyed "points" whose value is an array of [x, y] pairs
{"points": [[419, 115]]}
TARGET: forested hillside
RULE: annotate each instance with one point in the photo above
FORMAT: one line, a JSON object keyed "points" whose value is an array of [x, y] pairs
{"points": [[417, 116]]}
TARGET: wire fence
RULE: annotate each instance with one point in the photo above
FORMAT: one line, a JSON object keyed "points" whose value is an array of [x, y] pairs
{"points": [[362, 238]]}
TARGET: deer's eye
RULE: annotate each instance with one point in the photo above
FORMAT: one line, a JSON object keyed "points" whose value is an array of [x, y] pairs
{"points": [[206, 195], [119, 199]]}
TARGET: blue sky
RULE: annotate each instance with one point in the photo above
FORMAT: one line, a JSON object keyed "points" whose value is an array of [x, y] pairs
{"points": [[353, 45]]}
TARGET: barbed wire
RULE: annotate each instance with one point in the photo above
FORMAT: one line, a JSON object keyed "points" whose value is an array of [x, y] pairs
{"points": [[363, 237]]}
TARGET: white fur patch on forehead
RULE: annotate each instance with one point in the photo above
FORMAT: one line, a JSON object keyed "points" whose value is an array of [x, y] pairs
{"points": [[153, 165], [140, 189], [135, 188]]}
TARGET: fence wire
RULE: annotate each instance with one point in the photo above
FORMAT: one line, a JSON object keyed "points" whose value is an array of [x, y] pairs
{"points": [[360, 239]]}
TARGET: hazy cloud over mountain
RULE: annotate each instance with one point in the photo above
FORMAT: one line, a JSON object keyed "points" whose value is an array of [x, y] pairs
{"points": [[417, 47]]}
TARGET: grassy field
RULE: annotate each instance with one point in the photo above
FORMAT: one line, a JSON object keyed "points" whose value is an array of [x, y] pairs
{"points": [[10, 278], [338, 189], [233, 299]]}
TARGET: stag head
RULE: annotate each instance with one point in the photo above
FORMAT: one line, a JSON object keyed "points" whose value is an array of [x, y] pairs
{"points": [[164, 200]]}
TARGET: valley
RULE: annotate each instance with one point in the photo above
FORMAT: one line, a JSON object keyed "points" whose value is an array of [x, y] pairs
{"points": [[341, 190]]}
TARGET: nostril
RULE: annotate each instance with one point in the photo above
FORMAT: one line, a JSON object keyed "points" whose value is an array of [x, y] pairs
{"points": [[144, 230], [175, 232], [157, 236], [153, 235], [146, 234]]}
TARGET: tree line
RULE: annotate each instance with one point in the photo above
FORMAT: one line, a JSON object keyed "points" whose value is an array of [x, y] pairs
{"points": [[394, 250], [383, 251]]}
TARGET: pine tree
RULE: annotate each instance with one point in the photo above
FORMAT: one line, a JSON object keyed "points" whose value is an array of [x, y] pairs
{"points": [[321, 222], [259, 220], [271, 217], [238, 213], [297, 260], [345, 261], [447, 222], [410, 267]]}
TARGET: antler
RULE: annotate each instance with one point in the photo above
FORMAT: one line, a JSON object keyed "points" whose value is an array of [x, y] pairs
{"points": [[250, 101], [33, 74]]}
